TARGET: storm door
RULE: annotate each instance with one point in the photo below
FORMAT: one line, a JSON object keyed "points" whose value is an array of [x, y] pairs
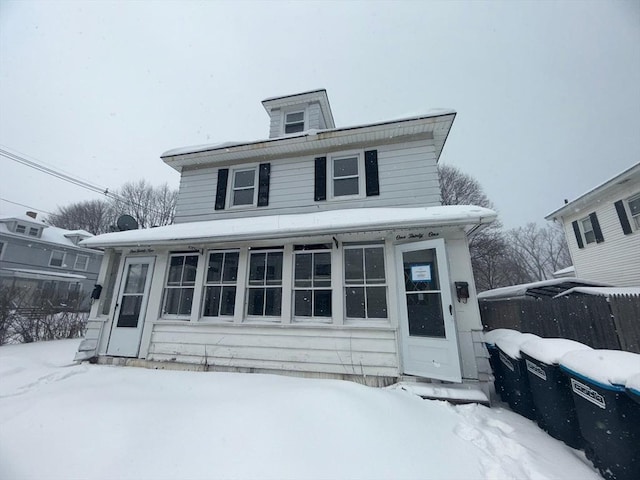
{"points": [[427, 328], [131, 307]]}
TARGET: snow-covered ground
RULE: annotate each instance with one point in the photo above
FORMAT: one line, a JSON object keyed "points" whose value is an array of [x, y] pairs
{"points": [[59, 420]]}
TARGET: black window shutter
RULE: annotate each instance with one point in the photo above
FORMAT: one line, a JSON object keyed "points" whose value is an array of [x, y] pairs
{"points": [[221, 191], [596, 227], [371, 172], [576, 230], [264, 176], [320, 190], [622, 215]]}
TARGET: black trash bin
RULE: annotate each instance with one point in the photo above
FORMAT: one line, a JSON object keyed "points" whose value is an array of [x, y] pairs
{"points": [[609, 419], [550, 388], [514, 374], [494, 358]]}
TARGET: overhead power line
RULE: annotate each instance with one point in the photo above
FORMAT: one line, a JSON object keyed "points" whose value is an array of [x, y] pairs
{"points": [[26, 206]]}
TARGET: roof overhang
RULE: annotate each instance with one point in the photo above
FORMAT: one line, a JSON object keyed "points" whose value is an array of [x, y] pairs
{"points": [[435, 125], [619, 182], [269, 227], [43, 274]]}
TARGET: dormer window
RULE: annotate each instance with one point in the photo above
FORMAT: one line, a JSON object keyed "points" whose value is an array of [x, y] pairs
{"points": [[21, 229], [33, 232], [294, 122]]}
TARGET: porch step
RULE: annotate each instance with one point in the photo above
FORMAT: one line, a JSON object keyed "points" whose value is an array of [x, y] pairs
{"points": [[452, 393]]}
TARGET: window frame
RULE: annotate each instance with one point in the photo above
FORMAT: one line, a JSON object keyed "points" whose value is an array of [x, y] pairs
{"points": [[361, 175], [230, 200], [364, 284], [166, 287], [21, 229], [33, 232], [221, 284], [248, 287], [285, 124], [312, 318], [2, 249], [634, 219], [64, 255], [86, 262], [584, 231]]}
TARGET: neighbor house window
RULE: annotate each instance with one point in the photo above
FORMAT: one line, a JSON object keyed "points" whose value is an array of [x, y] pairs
{"points": [[365, 282], [587, 230], [294, 122], [220, 284], [312, 282], [1, 249], [634, 209], [244, 187], [57, 259], [34, 231], [345, 176], [178, 293], [82, 261], [21, 229], [264, 288]]}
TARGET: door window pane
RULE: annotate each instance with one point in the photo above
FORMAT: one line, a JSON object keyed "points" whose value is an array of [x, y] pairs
{"points": [[424, 312], [130, 311]]}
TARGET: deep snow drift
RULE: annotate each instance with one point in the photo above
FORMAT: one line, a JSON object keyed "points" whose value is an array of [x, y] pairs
{"points": [[60, 420]]}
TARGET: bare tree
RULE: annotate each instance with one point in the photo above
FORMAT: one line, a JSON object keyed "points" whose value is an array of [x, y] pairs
{"points": [[94, 216]]}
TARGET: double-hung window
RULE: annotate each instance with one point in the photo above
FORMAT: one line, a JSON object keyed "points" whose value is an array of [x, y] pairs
{"points": [[294, 122], [312, 283], [57, 259], [243, 191], [264, 284], [345, 176], [587, 230], [178, 292], [82, 261], [220, 284], [634, 209], [365, 282], [21, 229], [33, 232]]}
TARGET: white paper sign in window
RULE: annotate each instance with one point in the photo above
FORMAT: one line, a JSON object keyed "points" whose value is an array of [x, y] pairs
{"points": [[421, 273]]}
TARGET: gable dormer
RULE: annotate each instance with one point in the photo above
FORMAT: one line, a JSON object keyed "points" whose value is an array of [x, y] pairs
{"points": [[25, 225], [298, 113]]}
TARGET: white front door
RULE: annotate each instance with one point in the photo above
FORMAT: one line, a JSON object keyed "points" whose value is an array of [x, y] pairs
{"points": [[131, 306], [427, 328]]}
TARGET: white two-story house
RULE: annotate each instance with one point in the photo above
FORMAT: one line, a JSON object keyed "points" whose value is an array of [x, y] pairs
{"points": [[320, 251], [602, 228]]}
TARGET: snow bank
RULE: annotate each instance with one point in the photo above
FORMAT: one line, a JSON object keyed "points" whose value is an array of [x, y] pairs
{"points": [[510, 344], [101, 422], [550, 350], [493, 335], [607, 367]]}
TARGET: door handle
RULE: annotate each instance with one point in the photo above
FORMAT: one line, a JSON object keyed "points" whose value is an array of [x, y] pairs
{"points": [[450, 309]]}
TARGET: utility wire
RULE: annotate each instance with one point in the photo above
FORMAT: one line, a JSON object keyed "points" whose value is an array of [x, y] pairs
{"points": [[26, 206], [71, 179]]}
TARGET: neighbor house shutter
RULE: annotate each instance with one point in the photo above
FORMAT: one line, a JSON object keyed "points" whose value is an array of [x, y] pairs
{"points": [[221, 191], [320, 187], [622, 216], [596, 227], [371, 173], [576, 230], [264, 175]]}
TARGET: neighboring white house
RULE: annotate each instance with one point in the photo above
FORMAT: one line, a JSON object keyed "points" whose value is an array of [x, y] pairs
{"points": [[320, 251], [46, 261], [602, 228]]}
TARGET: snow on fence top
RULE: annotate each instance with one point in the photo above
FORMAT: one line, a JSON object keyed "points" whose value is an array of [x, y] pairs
{"points": [[551, 350], [607, 367], [510, 344]]}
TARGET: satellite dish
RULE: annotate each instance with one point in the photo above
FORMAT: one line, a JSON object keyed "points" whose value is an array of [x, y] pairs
{"points": [[126, 222]]}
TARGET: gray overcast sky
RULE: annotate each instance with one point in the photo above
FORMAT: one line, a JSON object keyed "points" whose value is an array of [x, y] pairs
{"points": [[547, 93]]}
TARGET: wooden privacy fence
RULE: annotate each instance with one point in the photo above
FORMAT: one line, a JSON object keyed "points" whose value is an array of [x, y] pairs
{"points": [[600, 322]]}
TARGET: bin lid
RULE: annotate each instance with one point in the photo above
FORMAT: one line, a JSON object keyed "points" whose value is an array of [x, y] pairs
{"points": [[511, 343], [633, 384], [550, 350], [493, 335], [604, 367]]}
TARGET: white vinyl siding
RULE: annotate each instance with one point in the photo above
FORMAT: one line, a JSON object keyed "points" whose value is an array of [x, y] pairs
{"points": [[407, 175]]}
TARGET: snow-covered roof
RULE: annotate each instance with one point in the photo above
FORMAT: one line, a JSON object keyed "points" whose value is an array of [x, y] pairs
{"points": [[631, 174], [30, 273], [602, 291], [432, 124], [570, 271], [50, 234], [283, 226], [544, 288]]}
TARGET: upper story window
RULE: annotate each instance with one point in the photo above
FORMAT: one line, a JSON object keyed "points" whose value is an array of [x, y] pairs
{"points": [[21, 229], [1, 249], [294, 122], [57, 259], [587, 230], [264, 289], [365, 282], [181, 280], [243, 190], [634, 209], [34, 231], [346, 175], [82, 262], [221, 284]]}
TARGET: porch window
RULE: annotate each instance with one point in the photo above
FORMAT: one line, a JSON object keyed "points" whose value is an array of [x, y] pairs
{"points": [[178, 292], [312, 285], [365, 282], [244, 187], [220, 284], [264, 289]]}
